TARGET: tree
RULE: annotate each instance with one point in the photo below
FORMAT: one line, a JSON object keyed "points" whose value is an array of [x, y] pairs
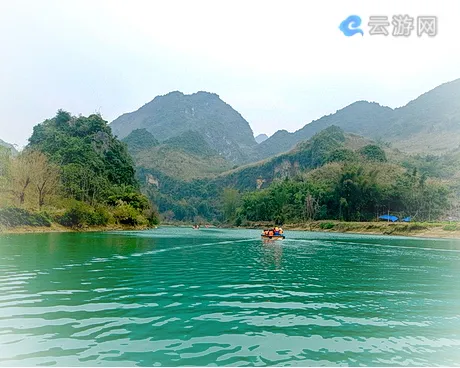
{"points": [[311, 207], [342, 155], [45, 176], [373, 152], [5, 161], [31, 172], [20, 176], [231, 199]]}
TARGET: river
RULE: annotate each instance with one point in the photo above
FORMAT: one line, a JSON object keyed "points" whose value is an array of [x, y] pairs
{"points": [[175, 296]]}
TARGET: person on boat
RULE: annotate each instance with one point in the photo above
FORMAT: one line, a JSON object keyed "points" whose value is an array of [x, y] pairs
{"points": [[276, 230], [270, 233], [281, 231]]}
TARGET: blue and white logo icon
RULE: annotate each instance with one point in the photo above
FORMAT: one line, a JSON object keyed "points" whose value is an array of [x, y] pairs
{"points": [[350, 26]]}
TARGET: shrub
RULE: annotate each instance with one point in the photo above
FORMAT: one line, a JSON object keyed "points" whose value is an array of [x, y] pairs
{"points": [[76, 216], [82, 214], [127, 215], [127, 195], [326, 225], [450, 227], [101, 216], [415, 227], [13, 216], [153, 219]]}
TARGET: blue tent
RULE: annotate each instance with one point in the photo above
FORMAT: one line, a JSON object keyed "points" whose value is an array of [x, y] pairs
{"points": [[406, 219], [389, 218]]}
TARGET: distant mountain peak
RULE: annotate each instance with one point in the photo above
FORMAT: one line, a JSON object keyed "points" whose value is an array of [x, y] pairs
{"points": [[180, 94], [205, 93], [261, 137], [432, 120], [363, 104], [175, 113]]}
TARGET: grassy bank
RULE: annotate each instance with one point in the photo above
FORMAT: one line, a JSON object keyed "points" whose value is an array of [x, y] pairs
{"points": [[75, 219], [419, 229], [56, 228]]}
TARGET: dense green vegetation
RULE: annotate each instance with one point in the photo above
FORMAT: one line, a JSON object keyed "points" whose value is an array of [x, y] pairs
{"points": [[138, 140], [13, 216], [93, 162], [78, 172], [331, 176], [347, 191]]}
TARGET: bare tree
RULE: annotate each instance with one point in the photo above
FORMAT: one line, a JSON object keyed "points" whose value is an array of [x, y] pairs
{"points": [[20, 176], [45, 176], [311, 207], [4, 168], [31, 171]]}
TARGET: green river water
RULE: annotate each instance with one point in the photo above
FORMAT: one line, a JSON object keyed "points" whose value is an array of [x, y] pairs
{"points": [[175, 296]]}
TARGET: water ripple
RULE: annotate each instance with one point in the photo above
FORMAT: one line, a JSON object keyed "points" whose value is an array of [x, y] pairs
{"points": [[223, 297]]}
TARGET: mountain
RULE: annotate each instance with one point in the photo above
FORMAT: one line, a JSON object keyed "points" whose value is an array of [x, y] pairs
{"points": [[193, 143], [184, 200], [430, 123], [9, 146], [175, 113], [261, 137], [331, 144], [324, 162], [184, 157]]}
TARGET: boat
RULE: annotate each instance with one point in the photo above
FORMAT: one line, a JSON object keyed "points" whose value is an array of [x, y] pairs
{"points": [[274, 234], [274, 237]]}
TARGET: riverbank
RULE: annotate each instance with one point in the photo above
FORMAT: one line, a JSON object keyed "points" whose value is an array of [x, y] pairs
{"points": [[418, 229], [56, 228], [424, 230]]}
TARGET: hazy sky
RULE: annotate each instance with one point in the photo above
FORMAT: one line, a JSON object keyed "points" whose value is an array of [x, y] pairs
{"points": [[280, 64]]}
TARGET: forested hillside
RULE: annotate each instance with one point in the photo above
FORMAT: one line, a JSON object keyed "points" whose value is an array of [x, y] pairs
{"points": [[75, 173], [334, 175]]}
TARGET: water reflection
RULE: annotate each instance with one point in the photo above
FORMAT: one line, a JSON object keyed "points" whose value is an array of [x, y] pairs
{"points": [[273, 252]]}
